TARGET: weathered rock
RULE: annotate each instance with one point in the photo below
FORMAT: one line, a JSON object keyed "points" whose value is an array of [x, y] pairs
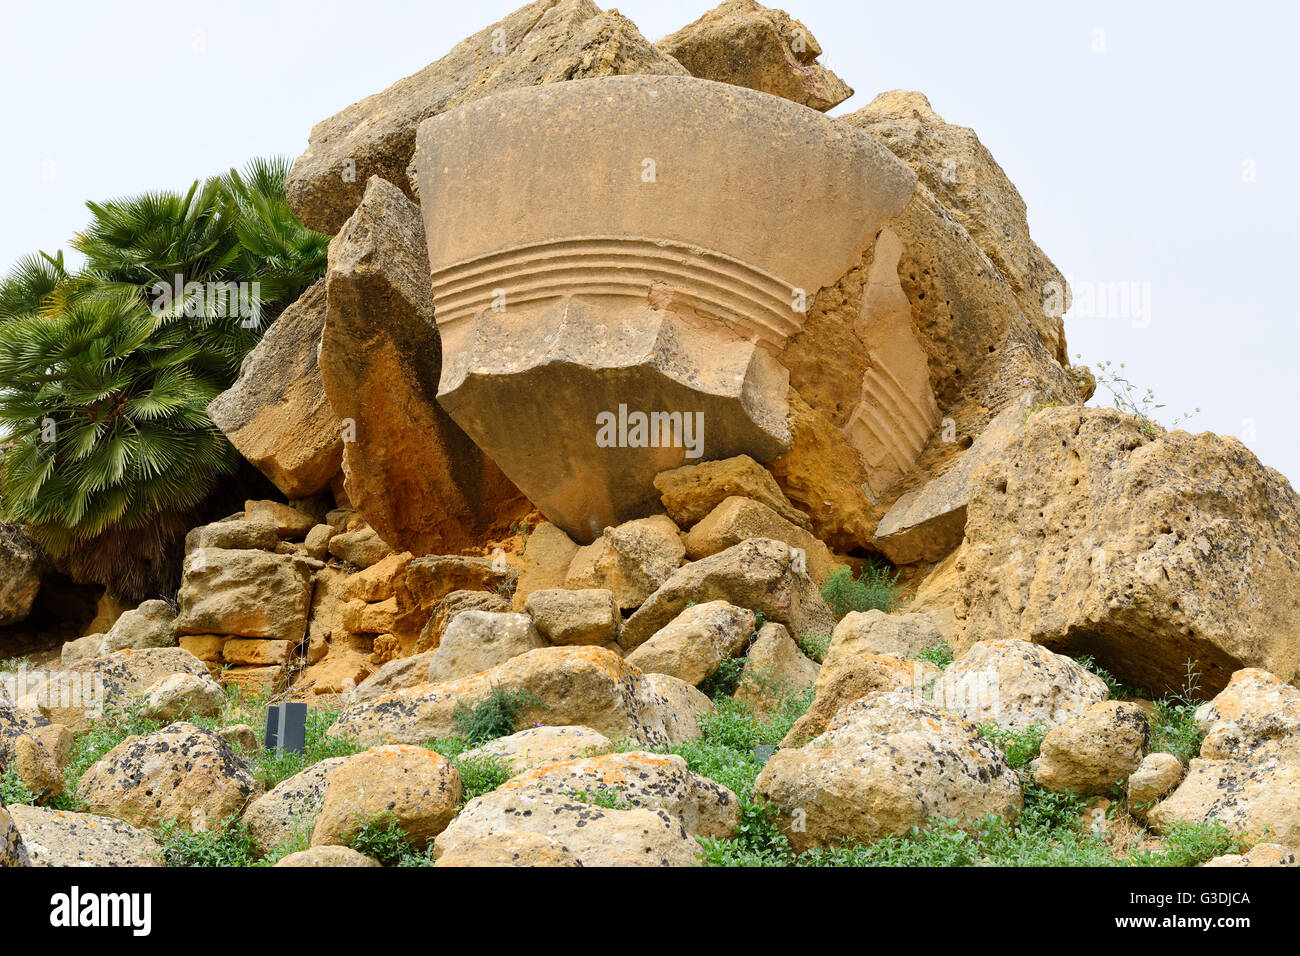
{"points": [[403, 672], [885, 765], [317, 543], [588, 616], [61, 838], [775, 672], [328, 855], [92, 645], [288, 521], [683, 308], [479, 640], [584, 686], [689, 493], [1093, 751], [1016, 684], [681, 705], [23, 753], [739, 519], [1155, 777], [78, 696], [865, 675], [289, 809], [152, 624], [631, 560], [21, 568], [418, 479], [179, 773], [745, 44], [1248, 773], [544, 42], [759, 574], [541, 746], [430, 579], [509, 848], [12, 850], [379, 581], [875, 632], [183, 695], [256, 653], [418, 788], [928, 523], [362, 547], [245, 594], [241, 736], [544, 562], [952, 163], [696, 642], [1262, 854], [1092, 535], [445, 611], [276, 413], [234, 534], [937, 595]]}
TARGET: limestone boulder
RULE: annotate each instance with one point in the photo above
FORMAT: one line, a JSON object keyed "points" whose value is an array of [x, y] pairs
{"points": [[418, 788], [80, 694], [1248, 773], [743, 43], [24, 752], [581, 686], [544, 562], [183, 695], [446, 609], [152, 624], [691, 492], [693, 287], [1016, 684], [289, 809], [631, 560], [379, 581], [361, 547], [1093, 536], [509, 848], [738, 519], [887, 764], [416, 476], [1093, 751], [761, 575], [288, 521], [541, 747], [22, 567], [1262, 854], [431, 578], [276, 413], [180, 773], [13, 852], [1155, 777], [681, 705], [775, 671], [234, 534], [396, 674], [546, 41], [245, 594], [477, 641], [875, 632], [859, 677], [328, 855], [695, 643], [92, 645], [588, 616], [62, 838]]}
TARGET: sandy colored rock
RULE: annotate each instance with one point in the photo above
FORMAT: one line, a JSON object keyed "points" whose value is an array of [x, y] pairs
{"points": [[83, 648], [937, 595], [696, 642], [760, 575], [418, 479], [418, 788], [541, 747], [681, 705], [328, 856], [696, 282], [430, 579], [152, 624], [775, 671], [689, 493], [377, 582], [743, 43], [477, 641], [546, 41], [23, 753], [244, 594], [394, 675], [1092, 536], [361, 547], [509, 848], [887, 764], [1016, 685], [288, 521], [289, 809], [256, 653], [631, 560], [78, 696], [929, 523], [544, 563], [864, 675], [21, 568], [445, 611], [276, 413], [738, 519], [583, 686], [588, 616], [1155, 777], [179, 773], [1262, 854], [1093, 751], [875, 632], [235, 534], [183, 695], [317, 543], [62, 838]]}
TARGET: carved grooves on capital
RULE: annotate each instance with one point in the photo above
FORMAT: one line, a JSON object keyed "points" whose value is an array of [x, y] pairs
{"points": [[723, 288], [893, 419]]}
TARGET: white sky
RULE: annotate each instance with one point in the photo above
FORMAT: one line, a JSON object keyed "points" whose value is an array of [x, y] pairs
{"points": [[1131, 159]]}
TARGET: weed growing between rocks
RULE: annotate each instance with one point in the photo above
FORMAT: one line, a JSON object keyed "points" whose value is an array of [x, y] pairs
{"points": [[227, 845], [492, 717], [940, 655], [875, 589]]}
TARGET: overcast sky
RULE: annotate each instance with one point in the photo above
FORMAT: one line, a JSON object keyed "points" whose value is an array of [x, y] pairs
{"points": [[1156, 144]]}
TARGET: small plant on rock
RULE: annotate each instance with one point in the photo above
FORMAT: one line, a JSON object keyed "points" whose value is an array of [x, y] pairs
{"points": [[494, 716]]}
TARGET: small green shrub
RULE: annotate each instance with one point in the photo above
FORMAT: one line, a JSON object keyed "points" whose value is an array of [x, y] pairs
{"points": [[814, 646], [724, 681], [230, 845], [13, 790], [1020, 746], [493, 717], [876, 589], [940, 655], [383, 839]]}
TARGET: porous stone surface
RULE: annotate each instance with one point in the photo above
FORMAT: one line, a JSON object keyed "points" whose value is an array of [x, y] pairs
{"points": [[875, 632], [696, 642], [63, 838], [244, 594], [152, 624], [289, 809], [775, 671], [631, 560], [738, 519], [328, 855], [862, 676], [21, 568], [476, 641], [1094, 751], [587, 616]]}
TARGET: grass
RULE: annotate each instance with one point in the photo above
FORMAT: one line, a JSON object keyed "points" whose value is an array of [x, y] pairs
{"points": [[1019, 746], [228, 845], [494, 716], [875, 589]]}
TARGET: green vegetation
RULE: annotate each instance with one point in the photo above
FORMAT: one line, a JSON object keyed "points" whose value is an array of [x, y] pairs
{"points": [[494, 716], [814, 646], [227, 845], [107, 370], [1020, 746], [940, 655], [875, 589], [1126, 397]]}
